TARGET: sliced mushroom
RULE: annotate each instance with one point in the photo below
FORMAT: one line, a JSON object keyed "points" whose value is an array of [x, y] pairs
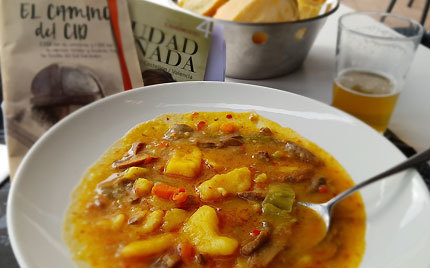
{"points": [[231, 140], [178, 131], [300, 175], [136, 148], [168, 260], [253, 196], [108, 183], [250, 247], [265, 254], [266, 131], [133, 160], [300, 153], [205, 145]]}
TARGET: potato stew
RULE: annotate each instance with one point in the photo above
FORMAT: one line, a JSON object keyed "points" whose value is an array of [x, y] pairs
{"points": [[213, 189]]}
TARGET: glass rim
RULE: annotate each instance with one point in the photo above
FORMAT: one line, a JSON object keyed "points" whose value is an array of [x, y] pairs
{"points": [[417, 35]]}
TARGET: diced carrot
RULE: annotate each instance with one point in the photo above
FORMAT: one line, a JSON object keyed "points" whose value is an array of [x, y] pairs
{"points": [[180, 198], [178, 195], [201, 125], [163, 190], [228, 128], [187, 251]]}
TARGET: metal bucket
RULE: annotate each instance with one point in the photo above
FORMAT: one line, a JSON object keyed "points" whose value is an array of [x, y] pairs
{"points": [[265, 50]]}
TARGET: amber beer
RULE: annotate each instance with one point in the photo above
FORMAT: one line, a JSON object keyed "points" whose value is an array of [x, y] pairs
{"points": [[367, 95]]}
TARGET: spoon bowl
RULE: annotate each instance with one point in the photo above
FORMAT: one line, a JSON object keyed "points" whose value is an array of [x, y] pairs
{"points": [[324, 210]]}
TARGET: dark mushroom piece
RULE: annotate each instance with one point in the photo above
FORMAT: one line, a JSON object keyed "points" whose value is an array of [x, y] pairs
{"points": [[253, 196], [107, 184], [250, 247], [136, 148], [231, 140], [266, 131], [265, 254], [206, 145], [300, 153], [178, 131], [133, 160]]}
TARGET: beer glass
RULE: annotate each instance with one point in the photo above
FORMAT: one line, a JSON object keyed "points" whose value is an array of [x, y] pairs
{"points": [[373, 53]]}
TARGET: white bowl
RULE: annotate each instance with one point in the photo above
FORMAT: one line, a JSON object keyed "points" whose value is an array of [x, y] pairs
{"points": [[398, 209]]}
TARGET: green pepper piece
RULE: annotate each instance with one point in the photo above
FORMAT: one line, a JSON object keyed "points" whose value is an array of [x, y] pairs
{"points": [[280, 196], [271, 210]]}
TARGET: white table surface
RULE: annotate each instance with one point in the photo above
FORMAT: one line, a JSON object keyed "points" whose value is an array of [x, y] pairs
{"points": [[411, 118]]}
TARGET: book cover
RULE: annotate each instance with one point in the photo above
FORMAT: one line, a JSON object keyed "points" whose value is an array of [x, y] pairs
{"points": [[170, 40]]}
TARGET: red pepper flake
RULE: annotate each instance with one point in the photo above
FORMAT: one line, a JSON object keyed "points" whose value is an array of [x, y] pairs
{"points": [[255, 232], [163, 144], [243, 148], [322, 189], [167, 118], [195, 114], [274, 164], [229, 116], [201, 125]]}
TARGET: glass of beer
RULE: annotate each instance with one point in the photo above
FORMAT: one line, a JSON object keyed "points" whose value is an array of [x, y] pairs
{"points": [[373, 53]]}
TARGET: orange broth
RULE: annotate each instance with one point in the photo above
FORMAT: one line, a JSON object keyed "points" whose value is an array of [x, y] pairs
{"points": [[106, 217]]}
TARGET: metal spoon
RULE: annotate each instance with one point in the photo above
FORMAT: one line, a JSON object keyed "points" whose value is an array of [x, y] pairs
{"points": [[325, 209]]}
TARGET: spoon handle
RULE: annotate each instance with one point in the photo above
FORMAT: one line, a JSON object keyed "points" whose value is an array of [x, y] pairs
{"points": [[410, 162]]}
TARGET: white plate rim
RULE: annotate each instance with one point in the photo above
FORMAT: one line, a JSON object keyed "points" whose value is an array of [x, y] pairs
{"points": [[18, 178]]}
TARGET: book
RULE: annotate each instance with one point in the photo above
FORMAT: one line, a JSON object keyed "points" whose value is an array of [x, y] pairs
{"points": [[183, 46], [56, 57]]}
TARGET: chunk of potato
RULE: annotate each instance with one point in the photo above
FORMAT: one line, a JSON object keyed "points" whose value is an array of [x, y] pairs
{"points": [[173, 219], [202, 230], [143, 186], [185, 162], [152, 221], [237, 180], [261, 178], [133, 173], [150, 246], [113, 223]]}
